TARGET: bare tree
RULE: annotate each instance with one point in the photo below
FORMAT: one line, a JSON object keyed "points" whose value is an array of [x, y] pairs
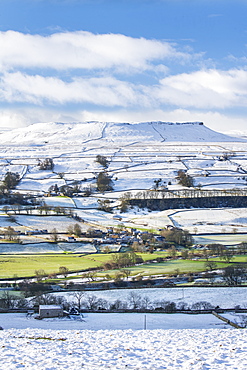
{"points": [[91, 302], [40, 274], [211, 265], [49, 299], [91, 275], [202, 305], [134, 300], [8, 300], [146, 302], [235, 274], [119, 305], [64, 271], [79, 297], [54, 235], [126, 272]]}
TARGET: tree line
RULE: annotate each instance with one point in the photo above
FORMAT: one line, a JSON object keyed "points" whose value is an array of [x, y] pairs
{"points": [[89, 302]]}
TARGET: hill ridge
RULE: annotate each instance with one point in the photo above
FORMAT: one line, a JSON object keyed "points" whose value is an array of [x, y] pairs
{"points": [[120, 133]]}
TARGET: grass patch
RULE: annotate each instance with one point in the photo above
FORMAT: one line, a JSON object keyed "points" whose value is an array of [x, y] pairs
{"points": [[153, 256], [165, 268], [43, 338], [235, 259], [25, 265]]}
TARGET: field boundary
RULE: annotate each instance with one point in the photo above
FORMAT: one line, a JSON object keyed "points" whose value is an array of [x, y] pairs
{"points": [[227, 320]]}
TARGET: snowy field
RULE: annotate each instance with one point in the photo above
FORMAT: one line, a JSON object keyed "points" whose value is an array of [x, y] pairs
{"points": [[208, 220], [205, 343], [114, 321], [225, 239], [138, 154], [223, 297], [223, 225], [61, 223], [13, 248], [211, 220], [137, 341]]}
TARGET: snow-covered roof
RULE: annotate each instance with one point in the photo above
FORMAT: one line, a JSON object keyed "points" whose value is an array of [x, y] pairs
{"points": [[49, 307]]}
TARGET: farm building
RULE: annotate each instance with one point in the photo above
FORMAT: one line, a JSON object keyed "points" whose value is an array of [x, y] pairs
{"points": [[50, 311], [71, 239]]}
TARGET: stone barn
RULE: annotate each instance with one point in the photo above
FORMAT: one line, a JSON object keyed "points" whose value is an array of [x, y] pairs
{"points": [[50, 311]]}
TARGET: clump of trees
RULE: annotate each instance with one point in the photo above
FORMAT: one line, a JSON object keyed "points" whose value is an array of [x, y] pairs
{"points": [[225, 253], [124, 202], [235, 275], [11, 180], [49, 299], [46, 164], [226, 156], [69, 190], [11, 235], [10, 301], [101, 159], [75, 230], [104, 205], [178, 236], [120, 260], [104, 182], [40, 274], [215, 249], [64, 271], [184, 179], [53, 189]]}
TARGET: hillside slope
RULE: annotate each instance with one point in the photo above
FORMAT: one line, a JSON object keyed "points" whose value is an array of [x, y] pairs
{"points": [[113, 133]]}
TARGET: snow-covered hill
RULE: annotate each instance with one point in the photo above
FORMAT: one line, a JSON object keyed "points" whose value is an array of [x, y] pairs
{"points": [[138, 155], [113, 133]]}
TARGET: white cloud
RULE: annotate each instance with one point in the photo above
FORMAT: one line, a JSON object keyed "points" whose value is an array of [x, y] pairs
{"points": [[53, 72], [204, 89], [83, 50], [105, 91], [12, 119]]}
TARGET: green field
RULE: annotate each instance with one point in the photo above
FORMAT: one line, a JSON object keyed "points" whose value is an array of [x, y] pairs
{"points": [[165, 268], [25, 265], [235, 259]]}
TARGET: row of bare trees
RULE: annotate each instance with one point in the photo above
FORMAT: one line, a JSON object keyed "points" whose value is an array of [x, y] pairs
{"points": [[84, 301]]}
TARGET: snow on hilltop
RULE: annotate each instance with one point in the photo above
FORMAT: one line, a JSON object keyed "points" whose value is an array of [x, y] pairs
{"points": [[113, 133]]}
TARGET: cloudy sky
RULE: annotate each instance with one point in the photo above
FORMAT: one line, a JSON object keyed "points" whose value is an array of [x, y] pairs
{"points": [[124, 60]]}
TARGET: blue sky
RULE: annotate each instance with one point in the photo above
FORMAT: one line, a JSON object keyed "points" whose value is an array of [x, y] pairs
{"points": [[124, 60]]}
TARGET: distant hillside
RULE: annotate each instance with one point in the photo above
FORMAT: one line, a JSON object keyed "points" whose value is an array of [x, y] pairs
{"points": [[113, 133]]}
